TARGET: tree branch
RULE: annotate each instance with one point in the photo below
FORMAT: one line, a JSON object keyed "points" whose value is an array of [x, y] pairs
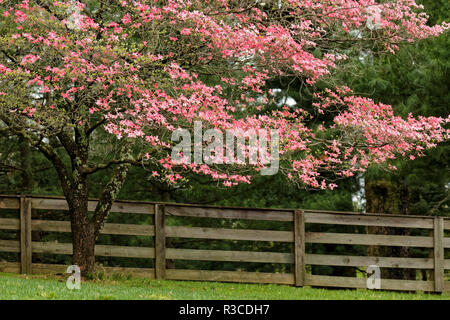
{"points": [[47, 150], [95, 126], [111, 191], [104, 166]]}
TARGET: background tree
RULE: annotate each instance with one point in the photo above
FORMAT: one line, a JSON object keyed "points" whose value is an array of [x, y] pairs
{"points": [[415, 81]]}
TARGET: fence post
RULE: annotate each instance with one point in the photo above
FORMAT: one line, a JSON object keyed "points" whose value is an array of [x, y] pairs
{"points": [[25, 236], [160, 242], [299, 250], [438, 254]]}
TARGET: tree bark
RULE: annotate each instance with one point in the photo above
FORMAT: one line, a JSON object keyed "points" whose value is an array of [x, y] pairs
{"points": [[83, 228], [83, 239], [77, 196], [391, 197], [26, 164], [86, 229]]}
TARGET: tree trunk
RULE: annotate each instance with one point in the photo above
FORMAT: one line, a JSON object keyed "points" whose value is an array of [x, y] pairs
{"points": [[74, 183], [83, 230], [170, 263], [26, 165], [83, 244], [392, 197]]}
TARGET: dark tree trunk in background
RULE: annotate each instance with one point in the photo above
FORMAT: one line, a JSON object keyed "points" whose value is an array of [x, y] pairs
{"points": [[389, 197], [170, 263], [26, 166]]}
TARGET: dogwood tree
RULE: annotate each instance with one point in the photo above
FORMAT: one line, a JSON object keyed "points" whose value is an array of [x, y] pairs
{"points": [[142, 69]]}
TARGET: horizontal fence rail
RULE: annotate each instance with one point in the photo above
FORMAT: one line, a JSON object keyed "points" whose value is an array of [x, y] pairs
{"points": [[300, 259]]}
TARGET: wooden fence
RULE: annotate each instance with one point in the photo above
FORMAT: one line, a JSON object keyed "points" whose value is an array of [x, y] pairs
{"points": [[299, 259]]}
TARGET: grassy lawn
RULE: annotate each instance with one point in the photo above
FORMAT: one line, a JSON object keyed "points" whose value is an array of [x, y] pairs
{"points": [[13, 286]]}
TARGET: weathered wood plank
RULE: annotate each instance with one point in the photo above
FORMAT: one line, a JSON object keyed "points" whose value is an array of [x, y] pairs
{"points": [[25, 236], [100, 250], [299, 248], [372, 214], [9, 203], [369, 239], [386, 284], [360, 261], [9, 246], [160, 242], [368, 220], [230, 276], [439, 254], [10, 224], [13, 203], [229, 234], [225, 255], [447, 264], [446, 243], [271, 215], [128, 229], [124, 252], [130, 207], [10, 267], [120, 207], [51, 204], [52, 247], [446, 224], [108, 228]]}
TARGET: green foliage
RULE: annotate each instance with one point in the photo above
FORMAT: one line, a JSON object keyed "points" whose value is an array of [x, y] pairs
{"points": [[415, 80]]}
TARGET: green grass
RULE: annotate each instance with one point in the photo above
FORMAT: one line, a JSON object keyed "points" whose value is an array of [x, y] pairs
{"points": [[13, 286]]}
